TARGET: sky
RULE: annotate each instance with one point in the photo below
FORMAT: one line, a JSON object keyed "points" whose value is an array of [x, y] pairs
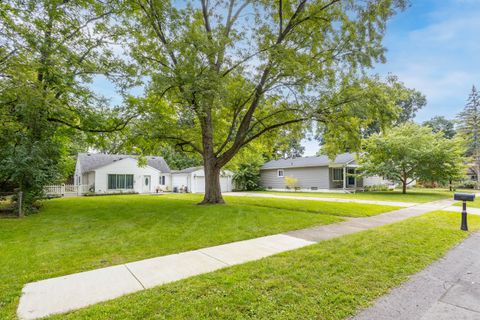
{"points": [[434, 47]]}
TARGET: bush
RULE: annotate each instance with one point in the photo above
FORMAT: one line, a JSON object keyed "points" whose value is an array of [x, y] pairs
{"points": [[291, 183], [247, 178], [377, 187], [469, 184]]}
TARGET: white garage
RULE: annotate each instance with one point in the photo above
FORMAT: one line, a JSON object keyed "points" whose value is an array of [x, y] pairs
{"points": [[194, 179]]}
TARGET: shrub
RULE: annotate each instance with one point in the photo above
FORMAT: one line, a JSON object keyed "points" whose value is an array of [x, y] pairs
{"points": [[247, 178], [469, 184], [377, 187], [291, 182]]}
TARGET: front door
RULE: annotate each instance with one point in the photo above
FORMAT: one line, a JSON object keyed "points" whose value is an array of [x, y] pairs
{"points": [[146, 184], [351, 178]]}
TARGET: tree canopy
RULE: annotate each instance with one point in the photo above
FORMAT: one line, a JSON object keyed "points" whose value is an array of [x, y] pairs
{"points": [[222, 74], [411, 152], [49, 55]]}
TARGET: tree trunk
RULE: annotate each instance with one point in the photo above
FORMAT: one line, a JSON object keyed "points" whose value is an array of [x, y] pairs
{"points": [[404, 182], [213, 192]]}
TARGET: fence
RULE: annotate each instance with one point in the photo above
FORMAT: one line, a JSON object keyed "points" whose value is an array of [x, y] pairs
{"points": [[66, 190]]}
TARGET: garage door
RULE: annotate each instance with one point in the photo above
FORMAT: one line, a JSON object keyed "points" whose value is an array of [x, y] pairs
{"points": [[200, 184], [224, 184], [179, 181]]}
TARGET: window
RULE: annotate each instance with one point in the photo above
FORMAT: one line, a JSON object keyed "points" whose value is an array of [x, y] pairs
{"points": [[162, 180], [120, 181], [337, 174], [280, 173]]}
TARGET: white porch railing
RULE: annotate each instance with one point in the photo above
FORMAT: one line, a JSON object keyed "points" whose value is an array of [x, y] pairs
{"points": [[66, 189]]}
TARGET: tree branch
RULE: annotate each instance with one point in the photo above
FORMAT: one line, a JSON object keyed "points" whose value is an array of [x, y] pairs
{"points": [[118, 127]]}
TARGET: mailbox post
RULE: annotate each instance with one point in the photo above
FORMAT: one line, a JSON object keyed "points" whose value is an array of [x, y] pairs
{"points": [[464, 197]]}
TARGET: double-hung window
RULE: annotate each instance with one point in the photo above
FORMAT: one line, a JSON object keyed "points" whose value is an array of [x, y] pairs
{"points": [[280, 173], [337, 174], [162, 180], [120, 181]]}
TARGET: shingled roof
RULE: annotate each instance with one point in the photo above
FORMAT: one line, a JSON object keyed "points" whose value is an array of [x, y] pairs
{"points": [[301, 162], [189, 170], [92, 161]]}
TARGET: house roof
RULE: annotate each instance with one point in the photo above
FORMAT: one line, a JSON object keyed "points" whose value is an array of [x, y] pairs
{"points": [[92, 161], [193, 169], [320, 161], [189, 170]]}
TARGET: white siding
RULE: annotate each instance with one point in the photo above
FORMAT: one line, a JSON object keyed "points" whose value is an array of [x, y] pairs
{"points": [[88, 179], [78, 173], [126, 166], [168, 182], [195, 181]]}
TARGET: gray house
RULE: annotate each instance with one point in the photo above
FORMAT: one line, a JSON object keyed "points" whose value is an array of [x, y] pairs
{"points": [[316, 173]]}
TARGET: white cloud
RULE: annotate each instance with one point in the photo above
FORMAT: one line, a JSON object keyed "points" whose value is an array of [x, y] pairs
{"points": [[439, 56]]}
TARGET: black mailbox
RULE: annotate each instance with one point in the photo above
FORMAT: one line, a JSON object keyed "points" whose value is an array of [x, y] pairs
{"points": [[464, 196]]}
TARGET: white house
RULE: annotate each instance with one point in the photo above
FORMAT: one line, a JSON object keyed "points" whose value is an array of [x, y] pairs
{"points": [[104, 173], [194, 179]]}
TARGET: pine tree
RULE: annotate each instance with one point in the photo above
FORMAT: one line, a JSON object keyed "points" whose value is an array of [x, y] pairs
{"points": [[469, 126]]}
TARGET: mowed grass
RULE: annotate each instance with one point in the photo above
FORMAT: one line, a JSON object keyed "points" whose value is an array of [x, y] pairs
{"points": [[330, 280], [313, 206], [417, 195], [77, 234]]}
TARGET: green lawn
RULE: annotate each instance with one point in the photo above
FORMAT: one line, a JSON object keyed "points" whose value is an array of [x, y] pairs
{"points": [[330, 280], [77, 234], [413, 195], [330, 208], [474, 204]]}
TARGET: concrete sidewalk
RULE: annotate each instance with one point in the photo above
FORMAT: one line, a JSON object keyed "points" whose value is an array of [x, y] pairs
{"points": [[66, 293], [447, 289], [278, 196]]}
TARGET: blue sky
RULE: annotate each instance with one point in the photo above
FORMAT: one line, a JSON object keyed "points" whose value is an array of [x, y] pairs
{"points": [[434, 47]]}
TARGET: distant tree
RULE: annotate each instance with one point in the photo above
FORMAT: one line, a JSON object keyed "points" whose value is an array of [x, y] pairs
{"points": [[411, 152], [469, 128], [408, 105], [288, 143], [469, 122], [177, 159], [441, 124]]}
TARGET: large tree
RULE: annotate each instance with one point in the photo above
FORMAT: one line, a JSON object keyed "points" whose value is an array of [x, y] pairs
{"points": [[412, 152], [223, 73], [51, 51]]}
